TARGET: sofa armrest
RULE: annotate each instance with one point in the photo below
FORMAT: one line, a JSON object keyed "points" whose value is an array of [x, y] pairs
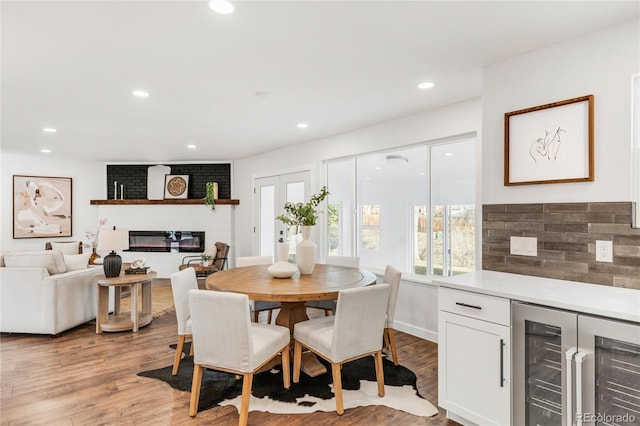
{"points": [[70, 298], [21, 298]]}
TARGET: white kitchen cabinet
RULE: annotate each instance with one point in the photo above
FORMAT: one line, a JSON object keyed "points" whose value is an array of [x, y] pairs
{"points": [[474, 341]]}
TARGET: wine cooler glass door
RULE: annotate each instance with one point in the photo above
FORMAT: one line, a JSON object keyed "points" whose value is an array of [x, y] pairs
{"points": [[542, 339], [609, 372]]}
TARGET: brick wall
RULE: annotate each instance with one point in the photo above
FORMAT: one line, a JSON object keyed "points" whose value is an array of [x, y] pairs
{"points": [[134, 179], [566, 234]]}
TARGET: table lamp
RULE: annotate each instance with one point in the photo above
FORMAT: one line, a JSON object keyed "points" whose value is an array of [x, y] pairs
{"points": [[112, 240]]}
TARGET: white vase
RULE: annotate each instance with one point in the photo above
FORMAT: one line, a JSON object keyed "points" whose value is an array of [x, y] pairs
{"points": [[306, 252], [282, 268]]}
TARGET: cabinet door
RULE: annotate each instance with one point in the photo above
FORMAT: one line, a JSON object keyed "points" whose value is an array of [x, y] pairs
{"points": [[473, 367]]}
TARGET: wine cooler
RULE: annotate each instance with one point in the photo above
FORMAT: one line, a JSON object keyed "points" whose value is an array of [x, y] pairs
{"points": [[574, 369]]}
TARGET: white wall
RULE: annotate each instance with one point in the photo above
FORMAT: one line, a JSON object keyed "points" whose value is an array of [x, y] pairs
{"points": [[601, 64], [88, 182]]}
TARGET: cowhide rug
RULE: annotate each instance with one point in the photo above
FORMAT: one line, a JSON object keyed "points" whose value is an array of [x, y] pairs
{"points": [[309, 395]]}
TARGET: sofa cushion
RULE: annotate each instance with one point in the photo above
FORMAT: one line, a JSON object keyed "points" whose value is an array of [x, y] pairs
{"points": [[51, 260], [66, 247], [76, 261]]}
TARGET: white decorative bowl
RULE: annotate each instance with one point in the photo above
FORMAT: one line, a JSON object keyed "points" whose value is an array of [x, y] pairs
{"points": [[282, 269]]}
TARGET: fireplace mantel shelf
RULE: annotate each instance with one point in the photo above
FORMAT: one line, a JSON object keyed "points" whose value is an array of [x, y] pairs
{"points": [[148, 202]]}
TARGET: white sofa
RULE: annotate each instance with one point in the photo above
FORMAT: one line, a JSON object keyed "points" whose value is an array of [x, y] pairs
{"points": [[38, 295]]}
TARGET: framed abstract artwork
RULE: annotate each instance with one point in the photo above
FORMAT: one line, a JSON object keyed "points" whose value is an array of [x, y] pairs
{"points": [[550, 143], [176, 187], [41, 206]]}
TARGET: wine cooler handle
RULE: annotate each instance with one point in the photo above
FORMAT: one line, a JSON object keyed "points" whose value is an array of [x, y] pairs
{"points": [[580, 356], [569, 385]]}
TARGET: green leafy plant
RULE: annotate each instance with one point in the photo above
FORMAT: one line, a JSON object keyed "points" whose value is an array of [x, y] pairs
{"points": [[303, 214], [206, 257], [209, 198]]}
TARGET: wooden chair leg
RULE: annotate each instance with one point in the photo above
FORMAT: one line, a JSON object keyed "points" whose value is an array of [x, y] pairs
{"points": [[337, 387], [269, 316], [297, 360], [195, 389], [255, 316], [191, 346], [379, 373], [327, 312], [178, 356], [247, 381], [286, 367], [390, 333]]}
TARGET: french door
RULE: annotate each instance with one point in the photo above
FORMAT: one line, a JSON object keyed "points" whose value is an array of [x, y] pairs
{"points": [[271, 193]]}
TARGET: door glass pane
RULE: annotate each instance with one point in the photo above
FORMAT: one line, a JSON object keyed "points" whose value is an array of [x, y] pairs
{"points": [[340, 175], [420, 240], [389, 187], [437, 240], [452, 203], [463, 238], [543, 374], [617, 370], [267, 219], [294, 194]]}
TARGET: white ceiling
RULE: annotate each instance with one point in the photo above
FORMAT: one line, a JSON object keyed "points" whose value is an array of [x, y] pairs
{"points": [[336, 65]]}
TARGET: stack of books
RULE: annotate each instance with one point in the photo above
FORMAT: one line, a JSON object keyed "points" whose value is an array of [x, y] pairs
{"points": [[142, 270]]}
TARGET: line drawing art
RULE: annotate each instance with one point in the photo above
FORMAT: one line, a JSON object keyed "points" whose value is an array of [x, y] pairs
{"points": [[548, 146]]}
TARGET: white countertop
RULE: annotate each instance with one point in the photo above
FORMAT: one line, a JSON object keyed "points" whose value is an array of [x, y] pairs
{"points": [[607, 301]]}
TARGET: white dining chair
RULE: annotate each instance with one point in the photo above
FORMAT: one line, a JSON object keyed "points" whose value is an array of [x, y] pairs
{"points": [[329, 306], [392, 277], [258, 306], [226, 340], [355, 331], [181, 283]]}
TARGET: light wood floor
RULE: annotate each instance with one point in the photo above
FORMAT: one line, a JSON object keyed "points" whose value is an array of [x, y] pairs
{"points": [[81, 378]]}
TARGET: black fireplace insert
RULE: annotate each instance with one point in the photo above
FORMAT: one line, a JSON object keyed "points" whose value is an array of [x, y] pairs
{"points": [[167, 241]]}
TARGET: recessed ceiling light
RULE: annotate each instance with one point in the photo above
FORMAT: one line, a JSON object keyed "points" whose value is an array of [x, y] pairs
{"points": [[421, 173], [425, 85], [378, 168], [449, 154], [45, 151], [221, 6], [191, 146], [302, 125], [140, 93], [49, 130], [262, 94]]}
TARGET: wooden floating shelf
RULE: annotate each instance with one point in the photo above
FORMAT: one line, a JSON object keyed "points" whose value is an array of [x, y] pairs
{"points": [[149, 202]]}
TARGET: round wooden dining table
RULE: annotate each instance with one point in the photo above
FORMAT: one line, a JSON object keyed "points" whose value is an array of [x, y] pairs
{"points": [[323, 284]]}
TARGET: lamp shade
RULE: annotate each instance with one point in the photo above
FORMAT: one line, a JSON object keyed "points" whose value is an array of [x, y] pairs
{"points": [[113, 239]]}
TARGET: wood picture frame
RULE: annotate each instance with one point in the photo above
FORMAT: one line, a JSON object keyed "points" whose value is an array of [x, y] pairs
{"points": [[550, 143], [176, 187], [41, 206]]}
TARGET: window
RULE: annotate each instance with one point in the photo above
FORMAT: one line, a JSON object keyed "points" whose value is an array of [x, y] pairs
{"points": [[413, 208]]}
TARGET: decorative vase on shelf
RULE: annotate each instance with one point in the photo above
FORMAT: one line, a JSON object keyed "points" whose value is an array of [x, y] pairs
{"points": [[306, 251], [93, 257], [282, 268]]}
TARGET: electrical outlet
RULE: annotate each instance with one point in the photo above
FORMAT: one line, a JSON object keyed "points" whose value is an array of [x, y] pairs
{"points": [[604, 251]]}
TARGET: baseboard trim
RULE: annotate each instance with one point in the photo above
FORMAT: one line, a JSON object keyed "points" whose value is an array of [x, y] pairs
{"points": [[416, 331]]}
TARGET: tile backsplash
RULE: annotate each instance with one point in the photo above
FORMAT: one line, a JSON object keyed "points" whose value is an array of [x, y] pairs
{"points": [[567, 234]]}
